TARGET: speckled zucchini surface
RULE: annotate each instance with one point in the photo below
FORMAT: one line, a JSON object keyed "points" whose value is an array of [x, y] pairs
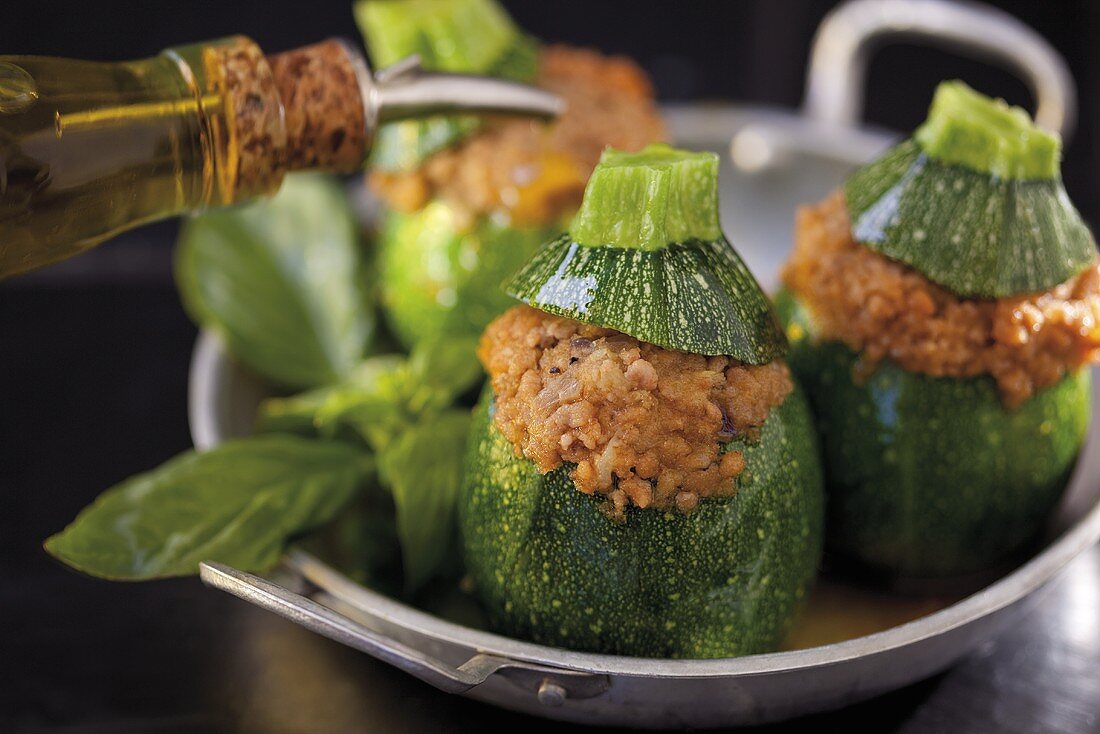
{"points": [[645, 255], [976, 235], [435, 277], [695, 296], [930, 477], [725, 580]]}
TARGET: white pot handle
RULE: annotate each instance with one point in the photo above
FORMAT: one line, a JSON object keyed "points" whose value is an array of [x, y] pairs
{"points": [[848, 34]]}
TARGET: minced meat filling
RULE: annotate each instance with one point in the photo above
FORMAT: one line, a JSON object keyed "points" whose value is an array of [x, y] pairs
{"points": [[884, 309], [531, 172], [643, 425]]}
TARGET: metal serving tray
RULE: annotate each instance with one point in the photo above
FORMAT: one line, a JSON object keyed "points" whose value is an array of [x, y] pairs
{"points": [[777, 160]]}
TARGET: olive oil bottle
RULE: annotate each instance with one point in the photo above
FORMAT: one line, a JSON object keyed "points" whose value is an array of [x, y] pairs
{"points": [[90, 149]]}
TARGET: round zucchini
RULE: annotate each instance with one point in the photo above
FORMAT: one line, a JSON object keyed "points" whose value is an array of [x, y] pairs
{"points": [[435, 278], [933, 477], [726, 579]]}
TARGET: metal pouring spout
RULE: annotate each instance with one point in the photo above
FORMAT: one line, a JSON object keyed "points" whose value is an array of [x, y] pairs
{"points": [[404, 90]]}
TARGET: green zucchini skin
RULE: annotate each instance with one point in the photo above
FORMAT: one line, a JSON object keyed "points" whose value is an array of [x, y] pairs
{"points": [[725, 580], [696, 296], [976, 235], [932, 477], [435, 279]]}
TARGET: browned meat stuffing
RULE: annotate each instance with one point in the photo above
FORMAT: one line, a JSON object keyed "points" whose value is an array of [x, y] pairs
{"points": [[884, 309], [643, 425], [533, 173]]}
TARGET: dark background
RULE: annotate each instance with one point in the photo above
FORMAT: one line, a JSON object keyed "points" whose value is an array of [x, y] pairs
{"points": [[740, 50], [93, 365]]}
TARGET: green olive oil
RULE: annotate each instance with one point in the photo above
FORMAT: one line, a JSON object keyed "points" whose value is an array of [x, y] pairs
{"points": [[90, 149]]}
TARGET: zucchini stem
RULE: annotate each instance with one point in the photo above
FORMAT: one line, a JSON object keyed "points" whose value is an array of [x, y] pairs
{"points": [[466, 36], [987, 135], [649, 200]]}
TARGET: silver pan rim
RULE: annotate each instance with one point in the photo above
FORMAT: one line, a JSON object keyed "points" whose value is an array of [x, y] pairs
{"points": [[210, 366]]}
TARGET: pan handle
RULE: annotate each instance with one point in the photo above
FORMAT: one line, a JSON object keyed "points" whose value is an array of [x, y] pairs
{"points": [[849, 33], [333, 620]]}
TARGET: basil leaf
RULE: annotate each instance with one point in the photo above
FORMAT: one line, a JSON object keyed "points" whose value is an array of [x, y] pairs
{"points": [[321, 411], [361, 542], [295, 414], [282, 282], [398, 407], [372, 403], [423, 468], [238, 504], [382, 396], [441, 369], [437, 371]]}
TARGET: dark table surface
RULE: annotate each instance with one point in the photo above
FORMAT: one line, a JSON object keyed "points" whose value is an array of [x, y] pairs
{"points": [[93, 382]]}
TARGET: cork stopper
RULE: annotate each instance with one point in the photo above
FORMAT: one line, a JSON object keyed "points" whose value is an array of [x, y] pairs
{"points": [[316, 108], [265, 116], [254, 138], [324, 112]]}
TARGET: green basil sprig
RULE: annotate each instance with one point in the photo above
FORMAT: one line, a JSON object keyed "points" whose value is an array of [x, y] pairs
{"points": [[399, 408], [283, 282], [239, 504], [423, 469]]}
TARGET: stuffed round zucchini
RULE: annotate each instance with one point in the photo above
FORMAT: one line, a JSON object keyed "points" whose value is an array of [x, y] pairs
{"points": [[470, 200], [643, 478], [941, 310]]}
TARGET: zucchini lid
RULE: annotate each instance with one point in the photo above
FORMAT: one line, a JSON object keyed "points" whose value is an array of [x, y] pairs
{"points": [[974, 201], [456, 36], [645, 255]]}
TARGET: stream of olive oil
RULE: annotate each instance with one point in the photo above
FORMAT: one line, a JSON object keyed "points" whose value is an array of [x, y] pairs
{"points": [[88, 149]]}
